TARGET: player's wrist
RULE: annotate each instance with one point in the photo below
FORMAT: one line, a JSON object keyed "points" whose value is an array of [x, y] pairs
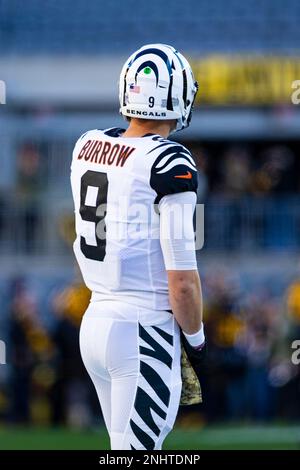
{"points": [[196, 340]]}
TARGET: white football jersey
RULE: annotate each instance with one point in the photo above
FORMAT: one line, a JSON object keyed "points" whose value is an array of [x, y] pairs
{"points": [[116, 183]]}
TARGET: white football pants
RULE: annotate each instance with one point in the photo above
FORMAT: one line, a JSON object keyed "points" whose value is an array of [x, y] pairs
{"points": [[133, 358]]}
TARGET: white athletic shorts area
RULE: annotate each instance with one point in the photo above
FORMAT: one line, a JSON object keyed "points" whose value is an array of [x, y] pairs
{"points": [[133, 358]]}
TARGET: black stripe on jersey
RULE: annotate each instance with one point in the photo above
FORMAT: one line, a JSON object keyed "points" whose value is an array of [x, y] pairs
{"points": [[179, 151], [143, 437], [159, 138], [157, 351], [159, 146], [164, 334], [114, 132], [174, 171], [156, 382], [150, 134], [144, 405]]}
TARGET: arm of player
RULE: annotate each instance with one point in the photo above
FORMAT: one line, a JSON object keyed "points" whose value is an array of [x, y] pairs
{"points": [[186, 299], [174, 179], [178, 247]]}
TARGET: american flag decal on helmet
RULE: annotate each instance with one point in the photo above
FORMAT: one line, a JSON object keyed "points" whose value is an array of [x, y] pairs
{"points": [[134, 88]]}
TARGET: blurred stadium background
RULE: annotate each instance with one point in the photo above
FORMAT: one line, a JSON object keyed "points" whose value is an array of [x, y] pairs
{"points": [[61, 61]]}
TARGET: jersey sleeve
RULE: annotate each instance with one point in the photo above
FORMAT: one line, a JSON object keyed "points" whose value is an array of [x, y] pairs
{"points": [[173, 171], [177, 238]]}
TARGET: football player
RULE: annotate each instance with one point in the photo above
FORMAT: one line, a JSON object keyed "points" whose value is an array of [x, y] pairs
{"points": [[134, 193]]}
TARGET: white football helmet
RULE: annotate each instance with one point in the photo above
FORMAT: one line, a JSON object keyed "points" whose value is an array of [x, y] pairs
{"points": [[157, 82]]}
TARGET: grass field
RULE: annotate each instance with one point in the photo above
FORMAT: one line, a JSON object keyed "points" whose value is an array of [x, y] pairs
{"points": [[213, 437]]}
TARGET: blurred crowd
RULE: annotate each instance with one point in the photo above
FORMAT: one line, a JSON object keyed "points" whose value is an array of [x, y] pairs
{"points": [[251, 195], [247, 169], [249, 373], [46, 381], [20, 213]]}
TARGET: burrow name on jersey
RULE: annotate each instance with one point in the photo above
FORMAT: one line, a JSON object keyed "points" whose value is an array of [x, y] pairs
{"points": [[99, 151]]}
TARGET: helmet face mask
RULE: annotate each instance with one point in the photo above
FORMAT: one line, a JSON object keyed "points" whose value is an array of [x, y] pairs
{"points": [[157, 83]]}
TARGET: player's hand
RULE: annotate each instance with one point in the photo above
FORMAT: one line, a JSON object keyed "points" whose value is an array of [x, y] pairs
{"points": [[196, 356]]}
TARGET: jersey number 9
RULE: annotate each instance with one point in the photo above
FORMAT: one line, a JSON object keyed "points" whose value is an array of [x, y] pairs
{"points": [[94, 214]]}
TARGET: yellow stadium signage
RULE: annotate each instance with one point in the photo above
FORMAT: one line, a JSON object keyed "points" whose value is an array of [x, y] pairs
{"points": [[240, 80]]}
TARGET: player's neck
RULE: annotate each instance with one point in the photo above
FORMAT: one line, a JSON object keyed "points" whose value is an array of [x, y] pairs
{"points": [[140, 127]]}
